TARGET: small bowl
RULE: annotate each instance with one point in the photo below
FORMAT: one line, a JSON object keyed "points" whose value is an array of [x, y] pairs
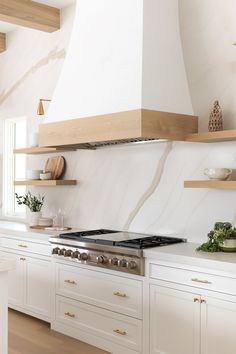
{"points": [[33, 174], [45, 175], [218, 174], [45, 222]]}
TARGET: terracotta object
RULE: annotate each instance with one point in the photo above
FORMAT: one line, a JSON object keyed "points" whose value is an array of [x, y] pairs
{"points": [[216, 118]]}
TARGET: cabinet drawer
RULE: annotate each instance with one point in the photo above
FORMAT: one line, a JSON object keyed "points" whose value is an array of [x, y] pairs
{"points": [[104, 290], [193, 278], [26, 246], [116, 328]]}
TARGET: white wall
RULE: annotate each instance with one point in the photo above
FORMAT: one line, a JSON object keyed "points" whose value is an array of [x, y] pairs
{"points": [[208, 30], [29, 69]]}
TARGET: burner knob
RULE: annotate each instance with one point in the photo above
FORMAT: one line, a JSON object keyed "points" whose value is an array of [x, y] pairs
{"points": [[132, 265], [62, 252], [102, 259], [114, 261], [123, 263], [75, 254], [56, 250], [68, 253], [83, 256]]}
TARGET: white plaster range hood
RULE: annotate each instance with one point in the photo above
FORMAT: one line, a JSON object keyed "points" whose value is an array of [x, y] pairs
{"points": [[123, 79]]}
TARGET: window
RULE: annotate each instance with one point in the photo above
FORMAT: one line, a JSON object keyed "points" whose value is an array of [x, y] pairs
{"points": [[14, 166]]}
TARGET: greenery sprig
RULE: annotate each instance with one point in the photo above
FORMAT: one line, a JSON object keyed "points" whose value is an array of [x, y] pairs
{"points": [[32, 202], [221, 232]]}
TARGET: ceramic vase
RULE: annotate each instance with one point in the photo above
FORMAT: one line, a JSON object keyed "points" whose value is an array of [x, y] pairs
{"points": [[216, 118], [34, 217]]}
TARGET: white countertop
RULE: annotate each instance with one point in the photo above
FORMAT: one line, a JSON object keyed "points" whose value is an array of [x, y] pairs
{"points": [[185, 253], [19, 229], [182, 253]]}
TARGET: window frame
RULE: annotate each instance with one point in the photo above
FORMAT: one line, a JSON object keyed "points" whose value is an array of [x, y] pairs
{"points": [[8, 172]]}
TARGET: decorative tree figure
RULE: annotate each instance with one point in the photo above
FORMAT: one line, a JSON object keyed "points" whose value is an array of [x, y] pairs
{"points": [[216, 118]]}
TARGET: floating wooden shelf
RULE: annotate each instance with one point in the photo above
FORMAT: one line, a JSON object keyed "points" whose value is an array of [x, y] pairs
{"points": [[46, 183], [210, 184], [213, 137], [41, 150]]}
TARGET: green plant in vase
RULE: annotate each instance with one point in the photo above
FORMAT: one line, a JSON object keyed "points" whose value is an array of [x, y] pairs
{"points": [[34, 203], [222, 238]]}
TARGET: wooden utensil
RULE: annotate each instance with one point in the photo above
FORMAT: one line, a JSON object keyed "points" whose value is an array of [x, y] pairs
{"points": [[55, 165]]}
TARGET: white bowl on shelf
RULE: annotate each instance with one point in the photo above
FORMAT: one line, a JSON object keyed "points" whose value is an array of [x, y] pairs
{"points": [[33, 174], [218, 174]]}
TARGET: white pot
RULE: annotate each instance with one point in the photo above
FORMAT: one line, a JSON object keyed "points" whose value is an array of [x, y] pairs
{"points": [[34, 217], [219, 174]]}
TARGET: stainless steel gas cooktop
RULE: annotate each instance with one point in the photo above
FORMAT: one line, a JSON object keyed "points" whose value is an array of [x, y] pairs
{"points": [[110, 249]]}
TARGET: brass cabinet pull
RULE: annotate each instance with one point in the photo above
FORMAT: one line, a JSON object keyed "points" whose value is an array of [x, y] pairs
{"points": [[22, 259], [201, 281], [196, 299], [118, 331], [69, 314], [117, 293], [22, 246], [203, 301], [70, 281]]}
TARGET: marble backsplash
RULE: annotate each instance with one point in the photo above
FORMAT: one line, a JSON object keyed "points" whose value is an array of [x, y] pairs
{"points": [[140, 188]]}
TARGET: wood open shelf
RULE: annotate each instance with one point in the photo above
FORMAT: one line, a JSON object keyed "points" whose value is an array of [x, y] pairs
{"points": [[41, 150], [46, 183], [212, 137], [210, 184]]}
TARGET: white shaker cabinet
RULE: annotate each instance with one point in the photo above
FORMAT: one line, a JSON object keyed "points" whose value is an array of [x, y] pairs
{"points": [[174, 321], [30, 283], [191, 319], [218, 325]]}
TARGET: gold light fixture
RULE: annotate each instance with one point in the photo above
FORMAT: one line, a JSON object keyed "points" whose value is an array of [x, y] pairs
{"points": [[40, 110]]}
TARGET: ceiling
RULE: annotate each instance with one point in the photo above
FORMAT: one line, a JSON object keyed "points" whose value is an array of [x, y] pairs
{"points": [[7, 27]]}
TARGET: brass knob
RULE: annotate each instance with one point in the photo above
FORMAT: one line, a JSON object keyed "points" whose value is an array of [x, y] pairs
{"points": [[117, 293], [69, 314], [119, 331], [70, 281], [196, 299]]}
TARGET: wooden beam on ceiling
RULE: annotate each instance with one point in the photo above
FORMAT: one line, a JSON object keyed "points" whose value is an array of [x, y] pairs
{"points": [[30, 14], [2, 42]]}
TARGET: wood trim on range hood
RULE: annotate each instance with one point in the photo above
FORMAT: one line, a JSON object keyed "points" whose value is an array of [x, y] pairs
{"points": [[115, 128]]}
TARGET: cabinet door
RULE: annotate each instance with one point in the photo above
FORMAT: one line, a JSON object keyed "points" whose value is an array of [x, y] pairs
{"points": [[38, 286], [174, 321], [15, 280], [218, 330]]}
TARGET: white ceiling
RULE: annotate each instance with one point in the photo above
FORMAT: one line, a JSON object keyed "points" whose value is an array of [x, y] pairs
{"points": [[7, 27]]}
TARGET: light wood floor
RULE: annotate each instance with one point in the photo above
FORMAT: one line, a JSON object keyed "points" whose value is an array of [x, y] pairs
{"points": [[28, 335]]}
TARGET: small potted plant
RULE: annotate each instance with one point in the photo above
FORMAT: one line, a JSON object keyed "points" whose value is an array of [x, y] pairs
{"points": [[34, 203], [222, 238]]}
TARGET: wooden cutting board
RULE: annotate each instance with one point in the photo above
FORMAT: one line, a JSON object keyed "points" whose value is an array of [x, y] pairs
{"points": [[55, 165]]}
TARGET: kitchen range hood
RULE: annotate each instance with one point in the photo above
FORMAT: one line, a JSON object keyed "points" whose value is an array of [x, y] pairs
{"points": [[117, 128]]}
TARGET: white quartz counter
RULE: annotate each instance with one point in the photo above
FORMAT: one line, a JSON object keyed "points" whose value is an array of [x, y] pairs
{"points": [[16, 229], [185, 253]]}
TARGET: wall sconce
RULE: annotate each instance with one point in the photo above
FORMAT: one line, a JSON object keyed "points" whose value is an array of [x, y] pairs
{"points": [[40, 110]]}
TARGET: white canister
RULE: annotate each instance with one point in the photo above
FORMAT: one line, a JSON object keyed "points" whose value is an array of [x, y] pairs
{"points": [[33, 139]]}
